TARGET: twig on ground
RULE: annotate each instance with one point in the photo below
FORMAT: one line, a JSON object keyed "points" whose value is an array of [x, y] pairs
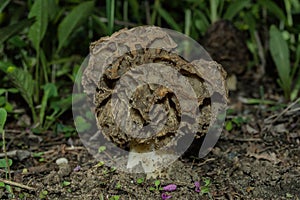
{"points": [[267, 121], [12, 183], [206, 161], [244, 139]]}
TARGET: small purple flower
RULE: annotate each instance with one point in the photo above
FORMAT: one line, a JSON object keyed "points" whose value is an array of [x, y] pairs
{"points": [[170, 187], [77, 168], [197, 186], [165, 196]]}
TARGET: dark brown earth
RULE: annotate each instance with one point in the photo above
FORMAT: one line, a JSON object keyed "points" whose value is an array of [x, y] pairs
{"points": [[259, 159]]}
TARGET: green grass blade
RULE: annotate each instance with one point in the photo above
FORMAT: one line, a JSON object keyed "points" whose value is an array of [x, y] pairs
{"points": [[110, 12], [3, 116], [135, 7], [296, 91], [100, 24], [59, 107], [214, 4], [75, 18], [3, 4], [187, 24], [50, 90], [37, 31], [168, 18], [234, 8], [296, 63], [281, 56], [11, 30], [259, 101], [201, 21], [288, 9], [273, 8]]}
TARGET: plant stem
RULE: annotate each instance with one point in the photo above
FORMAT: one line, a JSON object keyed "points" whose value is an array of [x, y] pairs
{"points": [[213, 10], [6, 158]]}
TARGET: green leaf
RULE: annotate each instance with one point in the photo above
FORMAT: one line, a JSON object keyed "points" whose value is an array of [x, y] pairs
{"points": [[4, 66], [206, 182], [64, 128], [3, 116], [157, 183], [201, 21], [281, 56], [37, 31], [9, 31], [2, 102], [8, 107], [273, 8], [140, 180], [23, 82], [2, 184], [2, 91], [66, 183], [100, 24], [115, 197], [3, 4], [60, 106], [9, 189], [228, 125], [43, 194], [50, 90], [238, 121], [76, 17], [168, 18], [234, 8], [250, 21], [204, 190], [101, 149], [12, 90], [3, 163], [38, 154], [53, 9]]}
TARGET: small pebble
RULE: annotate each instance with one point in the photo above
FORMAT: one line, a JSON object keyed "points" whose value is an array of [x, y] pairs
{"points": [[61, 161]]}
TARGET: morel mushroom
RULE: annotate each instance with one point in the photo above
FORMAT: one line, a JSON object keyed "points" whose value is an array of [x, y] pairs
{"points": [[147, 97]]}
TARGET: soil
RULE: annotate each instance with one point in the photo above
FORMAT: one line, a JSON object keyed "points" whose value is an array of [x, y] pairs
{"points": [[258, 159]]}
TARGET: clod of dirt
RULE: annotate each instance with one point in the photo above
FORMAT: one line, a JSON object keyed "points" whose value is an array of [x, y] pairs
{"points": [[226, 45], [128, 53]]}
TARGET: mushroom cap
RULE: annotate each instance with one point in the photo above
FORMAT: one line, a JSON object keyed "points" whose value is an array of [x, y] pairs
{"points": [[173, 103]]}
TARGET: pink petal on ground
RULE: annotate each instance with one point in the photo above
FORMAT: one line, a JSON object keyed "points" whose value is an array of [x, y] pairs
{"points": [[170, 187]]}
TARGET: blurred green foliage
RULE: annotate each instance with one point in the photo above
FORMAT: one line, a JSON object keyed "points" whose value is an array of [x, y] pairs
{"points": [[43, 42]]}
